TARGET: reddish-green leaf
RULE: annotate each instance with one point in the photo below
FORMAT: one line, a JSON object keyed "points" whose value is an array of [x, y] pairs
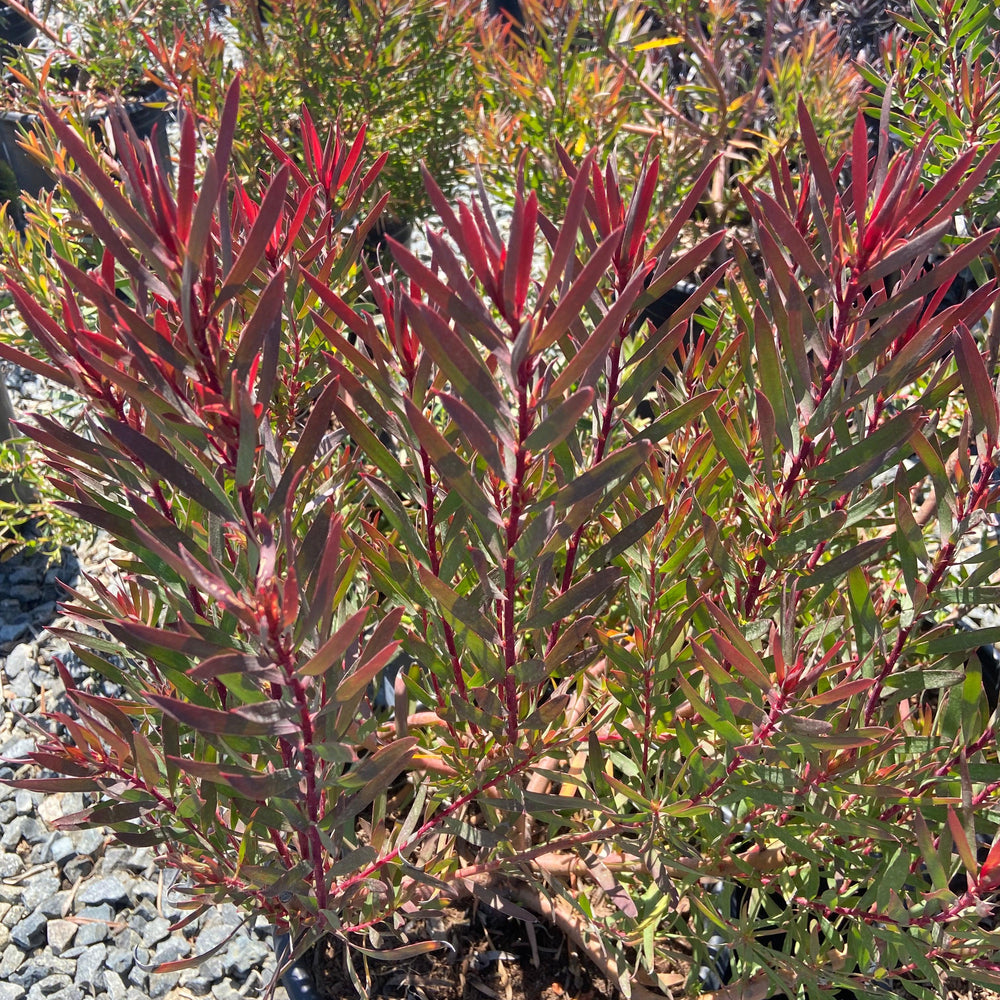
{"points": [[476, 433], [269, 718], [979, 389], [554, 427], [336, 647], [252, 785], [571, 303]]}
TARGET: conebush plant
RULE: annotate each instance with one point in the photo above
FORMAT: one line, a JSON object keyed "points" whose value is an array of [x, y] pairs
{"points": [[668, 615]]}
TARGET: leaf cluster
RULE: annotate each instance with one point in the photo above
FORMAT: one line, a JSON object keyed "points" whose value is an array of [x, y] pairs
{"points": [[465, 578]]}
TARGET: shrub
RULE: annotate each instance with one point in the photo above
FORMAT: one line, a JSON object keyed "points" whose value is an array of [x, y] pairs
{"points": [[698, 671], [695, 80]]}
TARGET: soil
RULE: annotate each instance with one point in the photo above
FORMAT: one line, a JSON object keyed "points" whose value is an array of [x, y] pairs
{"points": [[483, 955], [486, 956]]}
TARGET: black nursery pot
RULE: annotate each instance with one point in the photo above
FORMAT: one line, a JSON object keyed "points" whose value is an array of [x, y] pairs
{"points": [[31, 178], [298, 979], [16, 31], [149, 115]]}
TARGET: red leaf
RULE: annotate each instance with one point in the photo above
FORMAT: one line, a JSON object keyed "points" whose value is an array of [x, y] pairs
{"points": [[52, 785], [817, 158], [268, 216], [989, 873], [637, 216], [859, 174], [566, 241]]}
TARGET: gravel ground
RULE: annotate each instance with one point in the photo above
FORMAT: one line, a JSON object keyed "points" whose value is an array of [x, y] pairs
{"points": [[81, 916]]}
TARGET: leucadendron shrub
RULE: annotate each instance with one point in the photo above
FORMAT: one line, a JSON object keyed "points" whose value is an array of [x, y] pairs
{"points": [[688, 684]]}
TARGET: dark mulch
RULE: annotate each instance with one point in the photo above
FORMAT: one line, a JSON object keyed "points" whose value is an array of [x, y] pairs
{"points": [[485, 955]]}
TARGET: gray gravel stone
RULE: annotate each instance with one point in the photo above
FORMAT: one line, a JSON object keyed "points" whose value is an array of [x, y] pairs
{"points": [[98, 911], [77, 869], [11, 991], [139, 978], [61, 849], [42, 966], [225, 991], [90, 934], [50, 985], [109, 890], [29, 933], [10, 865], [110, 983], [144, 912], [127, 859], [95, 925], [242, 955], [198, 985], [18, 748], [212, 935], [34, 831], [119, 960], [60, 934], [23, 802], [88, 842], [31, 972], [90, 967], [22, 686], [12, 633], [14, 914], [38, 889], [22, 828], [12, 960], [57, 905], [161, 984], [66, 993], [19, 659], [155, 931], [12, 833]]}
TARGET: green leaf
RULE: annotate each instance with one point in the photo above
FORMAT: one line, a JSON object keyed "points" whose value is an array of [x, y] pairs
{"points": [[727, 444], [861, 462], [555, 426], [469, 375], [680, 416], [365, 672], [404, 952], [618, 465], [611, 326], [252, 785], [867, 626], [477, 434], [207, 494], [458, 609], [572, 303], [600, 585], [453, 470]]}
